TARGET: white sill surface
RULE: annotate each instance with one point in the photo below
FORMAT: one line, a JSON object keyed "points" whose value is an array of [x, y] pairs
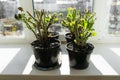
{"points": [[18, 60]]}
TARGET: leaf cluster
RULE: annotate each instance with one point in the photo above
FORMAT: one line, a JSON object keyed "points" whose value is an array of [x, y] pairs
{"points": [[79, 24]]}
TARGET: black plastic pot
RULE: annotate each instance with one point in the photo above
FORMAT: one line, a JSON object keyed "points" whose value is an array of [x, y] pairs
{"points": [[47, 58], [69, 37], [79, 57]]}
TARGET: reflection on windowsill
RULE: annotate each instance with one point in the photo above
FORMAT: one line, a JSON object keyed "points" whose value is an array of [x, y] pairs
{"points": [[6, 55], [102, 65], [116, 51]]}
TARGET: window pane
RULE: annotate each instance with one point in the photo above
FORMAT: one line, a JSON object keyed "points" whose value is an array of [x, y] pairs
{"points": [[114, 19], [60, 6], [8, 25]]}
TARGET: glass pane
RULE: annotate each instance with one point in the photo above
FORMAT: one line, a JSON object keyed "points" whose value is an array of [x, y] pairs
{"points": [[8, 25], [114, 19], [60, 6]]}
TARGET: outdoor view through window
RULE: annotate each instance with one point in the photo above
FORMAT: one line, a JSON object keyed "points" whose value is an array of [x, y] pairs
{"points": [[8, 25], [60, 6], [114, 19]]}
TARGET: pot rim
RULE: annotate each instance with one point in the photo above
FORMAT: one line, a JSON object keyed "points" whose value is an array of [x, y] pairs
{"points": [[76, 50], [56, 40], [56, 33]]}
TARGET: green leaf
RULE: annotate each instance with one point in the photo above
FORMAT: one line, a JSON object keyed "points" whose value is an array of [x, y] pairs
{"points": [[56, 19], [85, 25], [72, 23], [61, 14], [94, 33], [81, 35]]}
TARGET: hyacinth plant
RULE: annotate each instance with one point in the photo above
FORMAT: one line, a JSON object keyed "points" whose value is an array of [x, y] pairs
{"points": [[38, 24], [80, 25]]}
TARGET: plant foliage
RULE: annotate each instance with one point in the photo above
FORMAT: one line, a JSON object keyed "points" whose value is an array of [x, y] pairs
{"points": [[79, 24], [39, 24]]}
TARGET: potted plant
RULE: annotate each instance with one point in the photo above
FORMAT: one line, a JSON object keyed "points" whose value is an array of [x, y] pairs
{"points": [[46, 47], [79, 49]]}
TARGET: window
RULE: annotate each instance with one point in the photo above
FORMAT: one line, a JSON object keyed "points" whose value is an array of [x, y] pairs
{"points": [[114, 19], [106, 27], [11, 30], [102, 24], [8, 25]]}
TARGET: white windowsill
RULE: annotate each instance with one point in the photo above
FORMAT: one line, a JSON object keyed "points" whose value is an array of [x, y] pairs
{"points": [[18, 59]]}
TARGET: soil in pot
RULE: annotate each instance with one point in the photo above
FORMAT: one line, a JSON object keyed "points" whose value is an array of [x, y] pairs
{"points": [[69, 37], [54, 35], [79, 56], [47, 58]]}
